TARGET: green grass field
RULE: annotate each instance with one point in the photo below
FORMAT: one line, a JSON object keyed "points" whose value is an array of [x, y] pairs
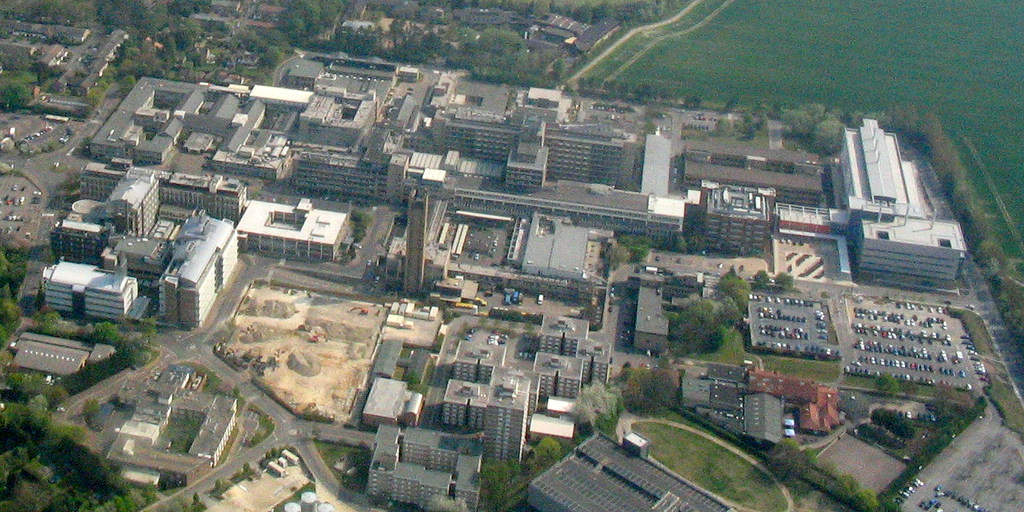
{"points": [[732, 352], [964, 61], [713, 467]]}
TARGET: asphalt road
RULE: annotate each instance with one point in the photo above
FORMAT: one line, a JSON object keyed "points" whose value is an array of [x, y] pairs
{"points": [[197, 347]]}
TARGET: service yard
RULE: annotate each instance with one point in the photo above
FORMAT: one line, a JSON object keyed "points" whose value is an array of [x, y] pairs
{"points": [[312, 351], [871, 466], [913, 342]]}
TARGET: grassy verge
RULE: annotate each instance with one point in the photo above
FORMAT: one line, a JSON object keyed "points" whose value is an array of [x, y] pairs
{"points": [[264, 428], [713, 467], [356, 460], [999, 391], [732, 352], [822, 371]]}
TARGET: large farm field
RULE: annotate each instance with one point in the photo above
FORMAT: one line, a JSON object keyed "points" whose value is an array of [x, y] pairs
{"points": [[962, 60]]}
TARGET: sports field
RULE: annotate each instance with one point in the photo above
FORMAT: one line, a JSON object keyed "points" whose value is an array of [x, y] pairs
{"points": [[712, 467], [962, 60]]}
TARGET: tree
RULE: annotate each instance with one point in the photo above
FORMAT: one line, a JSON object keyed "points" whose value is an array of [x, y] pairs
{"points": [[701, 325], [598, 405], [91, 413], [784, 281], [105, 332], [761, 280], [646, 391], [617, 255], [735, 288], [865, 499], [14, 96], [546, 453], [10, 313], [787, 460], [496, 482], [887, 384]]}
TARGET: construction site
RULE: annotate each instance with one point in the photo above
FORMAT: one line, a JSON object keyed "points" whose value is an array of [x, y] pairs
{"points": [[313, 352]]}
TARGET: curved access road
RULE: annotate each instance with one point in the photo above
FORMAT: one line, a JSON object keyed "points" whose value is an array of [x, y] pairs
{"points": [[629, 35], [626, 423]]}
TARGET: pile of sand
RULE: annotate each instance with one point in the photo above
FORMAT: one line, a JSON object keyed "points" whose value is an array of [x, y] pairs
{"points": [[304, 363], [270, 309]]}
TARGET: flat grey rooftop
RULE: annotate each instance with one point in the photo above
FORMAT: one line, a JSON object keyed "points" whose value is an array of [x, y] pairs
{"points": [[601, 476]]}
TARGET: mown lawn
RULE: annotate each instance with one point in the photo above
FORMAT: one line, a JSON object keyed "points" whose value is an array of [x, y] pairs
{"points": [[712, 467], [732, 352], [962, 60]]}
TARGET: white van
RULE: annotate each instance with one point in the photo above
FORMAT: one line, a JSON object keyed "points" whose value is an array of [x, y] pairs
{"points": [[540, 299]]}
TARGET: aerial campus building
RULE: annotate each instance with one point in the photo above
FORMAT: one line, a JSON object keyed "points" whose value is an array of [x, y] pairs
{"points": [[417, 465], [556, 248], [796, 176], [651, 321], [390, 402], [738, 219], [892, 227], [85, 290], [220, 196], [138, 446], [299, 232], [56, 356], [202, 263]]}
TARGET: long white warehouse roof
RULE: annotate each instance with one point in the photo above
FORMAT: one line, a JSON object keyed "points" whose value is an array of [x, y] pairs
{"points": [[281, 95]]}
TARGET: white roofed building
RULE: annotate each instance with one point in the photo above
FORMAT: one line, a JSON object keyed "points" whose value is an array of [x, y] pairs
{"points": [[85, 290], [893, 229], [203, 262], [299, 232], [289, 98]]}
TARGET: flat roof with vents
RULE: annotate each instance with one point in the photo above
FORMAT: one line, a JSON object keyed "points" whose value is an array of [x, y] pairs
{"points": [[601, 476], [300, 223]]}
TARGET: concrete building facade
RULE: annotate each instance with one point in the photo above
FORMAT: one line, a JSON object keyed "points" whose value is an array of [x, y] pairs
{"points": [[85, 290], [202, 264]]}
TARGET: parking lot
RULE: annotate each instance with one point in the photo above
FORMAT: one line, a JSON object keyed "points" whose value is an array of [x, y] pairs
{"points": [[21, 207], [980, 471], [792, 326], [913, 342], [519, 351], [486, 245], [34, 133]]}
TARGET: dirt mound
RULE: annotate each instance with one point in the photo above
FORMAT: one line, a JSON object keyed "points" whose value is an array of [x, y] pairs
{"points": [[304, 363], [270, 309]]}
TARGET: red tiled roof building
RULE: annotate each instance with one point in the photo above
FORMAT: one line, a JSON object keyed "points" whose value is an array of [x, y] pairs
{"points": [[819, 405]]}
